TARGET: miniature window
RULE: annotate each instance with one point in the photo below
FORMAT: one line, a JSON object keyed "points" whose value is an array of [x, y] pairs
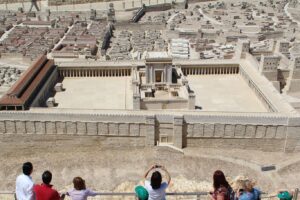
{"points": [[174, 94]]}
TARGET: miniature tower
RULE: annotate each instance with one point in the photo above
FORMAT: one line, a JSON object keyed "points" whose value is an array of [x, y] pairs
{"points": [[111, 14], [283, 47], [268, 67], [242, 49], [269, 63], [293, 82]]}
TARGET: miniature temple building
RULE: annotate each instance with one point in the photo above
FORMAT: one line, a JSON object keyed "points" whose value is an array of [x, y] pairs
{"points": [[162, 85]]}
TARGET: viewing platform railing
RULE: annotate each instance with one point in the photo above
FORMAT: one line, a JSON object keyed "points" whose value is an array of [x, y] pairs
{"points": [[131, 196]]}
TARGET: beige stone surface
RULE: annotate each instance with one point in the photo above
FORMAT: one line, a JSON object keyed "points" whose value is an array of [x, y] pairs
{"points": [[120, 169], [224, 93], [95, 93]]}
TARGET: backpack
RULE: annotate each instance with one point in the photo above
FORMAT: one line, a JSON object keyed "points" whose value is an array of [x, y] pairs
{"points": [[230, 194]]}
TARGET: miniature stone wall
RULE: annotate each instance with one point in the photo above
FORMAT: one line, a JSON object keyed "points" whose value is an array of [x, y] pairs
{"points": [[249, 136], [158, 7], [268, 131], [150, 104], [14, 1], [74, 128], [257, 91], [66, 2]]}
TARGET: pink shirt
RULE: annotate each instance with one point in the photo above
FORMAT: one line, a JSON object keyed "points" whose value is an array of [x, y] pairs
{"points": [[80, 194]]}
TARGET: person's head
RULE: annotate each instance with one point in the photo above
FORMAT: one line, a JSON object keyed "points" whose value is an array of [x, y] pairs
{"points": [[79, 183], [47, 177], [27, 168], [156, 180], [249, 185], [219, 180]]}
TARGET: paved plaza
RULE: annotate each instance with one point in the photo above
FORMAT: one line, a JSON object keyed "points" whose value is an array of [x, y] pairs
{"points": [[95, 93], [224, 93]]}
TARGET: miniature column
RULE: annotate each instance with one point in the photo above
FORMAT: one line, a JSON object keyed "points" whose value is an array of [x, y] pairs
{"points": [[150, 137], [177, 131]]}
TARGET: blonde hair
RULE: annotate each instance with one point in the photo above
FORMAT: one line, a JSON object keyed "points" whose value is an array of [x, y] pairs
{"points": [[249, 184], [242, 182]]}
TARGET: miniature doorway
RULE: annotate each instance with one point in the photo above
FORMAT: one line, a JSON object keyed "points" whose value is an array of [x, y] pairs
{"points": [[158, 76]]}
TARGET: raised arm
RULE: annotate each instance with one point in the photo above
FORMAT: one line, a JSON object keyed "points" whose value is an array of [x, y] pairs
{"points": [[147, 172], [167, 174]]}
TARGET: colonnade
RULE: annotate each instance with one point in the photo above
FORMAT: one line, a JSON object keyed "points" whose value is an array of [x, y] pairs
{"points": [[209, 70], [94, 72]]}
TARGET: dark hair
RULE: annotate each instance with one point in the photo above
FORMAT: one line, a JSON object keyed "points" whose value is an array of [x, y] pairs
{"points": [[156, 180], [79, 183], [47, 177], [219, 180], [27, 168]]}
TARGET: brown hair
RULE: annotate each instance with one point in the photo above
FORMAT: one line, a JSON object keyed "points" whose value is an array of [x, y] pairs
{"points": [[79, 183], [219, 180]]}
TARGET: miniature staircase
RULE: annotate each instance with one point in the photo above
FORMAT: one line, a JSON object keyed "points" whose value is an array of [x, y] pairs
{"points": [[170, 146]]}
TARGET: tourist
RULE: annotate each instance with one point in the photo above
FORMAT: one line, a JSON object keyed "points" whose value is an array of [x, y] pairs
{"points": [[80, 192], [248, 192], [156, 189], [45, 191], [222, 189], [285, 195], [24, 183]]}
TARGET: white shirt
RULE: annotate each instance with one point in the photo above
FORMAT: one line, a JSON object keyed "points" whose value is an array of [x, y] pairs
{"points": [[81, 194], [157, 194], [24, 187]]}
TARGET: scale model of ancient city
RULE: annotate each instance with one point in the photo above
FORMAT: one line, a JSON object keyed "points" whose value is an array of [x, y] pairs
{"points": [[178, 75]]}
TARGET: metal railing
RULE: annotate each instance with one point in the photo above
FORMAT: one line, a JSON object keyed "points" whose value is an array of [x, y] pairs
{"points": [[169, 195]]}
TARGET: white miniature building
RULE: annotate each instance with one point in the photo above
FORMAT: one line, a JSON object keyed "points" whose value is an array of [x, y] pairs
{"points": [[50, 102], [161, 85], [58, 87]]}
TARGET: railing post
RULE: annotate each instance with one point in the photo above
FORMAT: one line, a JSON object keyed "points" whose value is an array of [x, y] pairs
{"points": [[198, 196], [296, 194]]}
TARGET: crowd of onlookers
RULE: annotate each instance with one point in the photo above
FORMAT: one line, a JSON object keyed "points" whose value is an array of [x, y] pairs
{"points": [[153, 189]]}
